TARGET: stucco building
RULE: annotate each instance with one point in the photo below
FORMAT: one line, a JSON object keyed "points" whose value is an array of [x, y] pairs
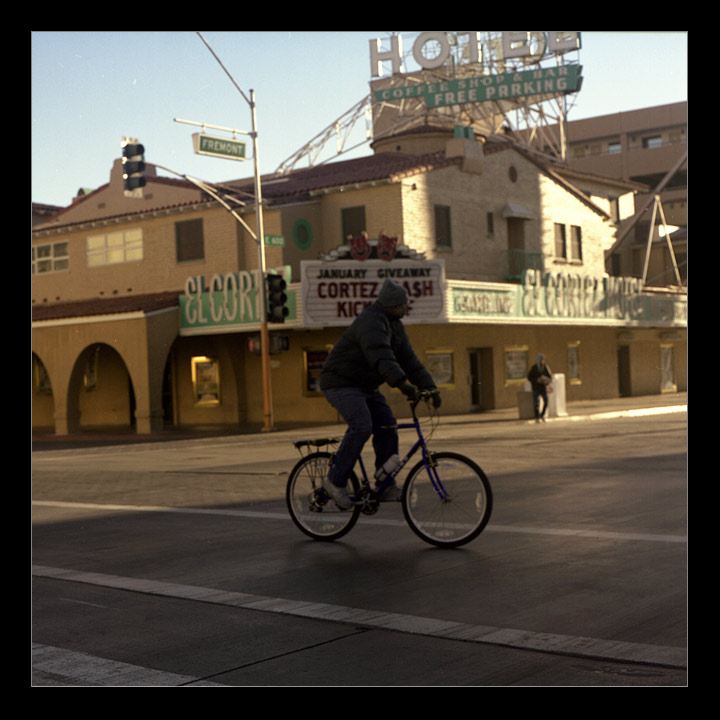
{"points": [[145, 311]]}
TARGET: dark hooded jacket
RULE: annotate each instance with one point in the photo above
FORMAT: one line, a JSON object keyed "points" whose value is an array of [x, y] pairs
{"points": [[375, 349]]}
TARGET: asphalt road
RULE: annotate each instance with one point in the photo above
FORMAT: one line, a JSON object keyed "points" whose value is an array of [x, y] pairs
{"points": [[175, 564]]}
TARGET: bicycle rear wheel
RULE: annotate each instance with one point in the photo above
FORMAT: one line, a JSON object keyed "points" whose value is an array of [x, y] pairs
{"points": [[310, 507], [449, 504]]}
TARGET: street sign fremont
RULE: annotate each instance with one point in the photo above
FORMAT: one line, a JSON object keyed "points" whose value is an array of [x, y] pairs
{"points": [[218, 147]]}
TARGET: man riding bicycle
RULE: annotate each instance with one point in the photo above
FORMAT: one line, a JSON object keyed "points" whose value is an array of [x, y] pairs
{"points": [[375, 349]]}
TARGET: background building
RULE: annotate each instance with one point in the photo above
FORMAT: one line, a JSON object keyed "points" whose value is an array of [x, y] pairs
{"points": [[145, 311], [646, 146]]}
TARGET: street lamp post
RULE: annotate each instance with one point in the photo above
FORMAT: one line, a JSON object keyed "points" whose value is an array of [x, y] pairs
{"points": [[260, 239], [264, 335]]}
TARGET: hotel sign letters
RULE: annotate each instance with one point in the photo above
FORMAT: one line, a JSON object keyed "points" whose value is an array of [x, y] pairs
{"points": [[529, 46]]}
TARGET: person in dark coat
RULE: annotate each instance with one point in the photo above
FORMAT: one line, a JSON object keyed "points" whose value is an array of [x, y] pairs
{"points": [[375, 349], [540, 377]]}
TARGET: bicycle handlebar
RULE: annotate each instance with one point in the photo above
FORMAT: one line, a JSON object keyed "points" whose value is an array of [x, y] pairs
{"points": [[422, 395]]}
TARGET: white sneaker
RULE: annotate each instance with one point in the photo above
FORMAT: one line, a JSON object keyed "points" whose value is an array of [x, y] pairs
{"points": [[338, 494], [392, 493]]}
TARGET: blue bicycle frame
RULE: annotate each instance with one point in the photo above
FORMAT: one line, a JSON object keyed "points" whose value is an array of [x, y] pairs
{"points": [[428, 460]]}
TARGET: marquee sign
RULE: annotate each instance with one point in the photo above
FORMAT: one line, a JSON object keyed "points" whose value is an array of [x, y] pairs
{"points": [[335, 293]]}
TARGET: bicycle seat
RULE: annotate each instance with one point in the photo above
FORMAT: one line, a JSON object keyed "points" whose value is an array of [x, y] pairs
{"points": [[316, 443]]}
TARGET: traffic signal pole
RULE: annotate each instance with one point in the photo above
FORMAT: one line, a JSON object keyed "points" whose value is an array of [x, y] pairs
{"points": [[268, 423], [264, 334]]}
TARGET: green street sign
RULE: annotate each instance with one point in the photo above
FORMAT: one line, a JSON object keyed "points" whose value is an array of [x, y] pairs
{"points": [[274, 240], [218, 147]]}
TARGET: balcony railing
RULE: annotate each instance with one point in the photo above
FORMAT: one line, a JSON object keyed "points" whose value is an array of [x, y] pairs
{"points": [[519, 260]]}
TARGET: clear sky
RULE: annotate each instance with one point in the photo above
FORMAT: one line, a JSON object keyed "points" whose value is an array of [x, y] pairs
{"points": [[89, 89]]}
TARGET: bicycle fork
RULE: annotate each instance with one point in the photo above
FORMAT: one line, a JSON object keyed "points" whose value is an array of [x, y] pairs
{"points": [[431, 467]]}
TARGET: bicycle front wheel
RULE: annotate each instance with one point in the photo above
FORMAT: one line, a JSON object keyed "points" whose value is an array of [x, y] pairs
{"points": [[310, 507], [448, 504]]}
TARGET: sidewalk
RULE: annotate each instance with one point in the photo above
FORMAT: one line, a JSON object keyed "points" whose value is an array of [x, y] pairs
{"points": [[604, 409], [583, 410]]}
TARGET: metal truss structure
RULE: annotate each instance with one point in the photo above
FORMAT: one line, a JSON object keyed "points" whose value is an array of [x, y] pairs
{"points": [[536, 122]]}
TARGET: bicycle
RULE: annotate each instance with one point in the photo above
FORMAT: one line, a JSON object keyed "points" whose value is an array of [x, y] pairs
{"points": [[446, 498]]}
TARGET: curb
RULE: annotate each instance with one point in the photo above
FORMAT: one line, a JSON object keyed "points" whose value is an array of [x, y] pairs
{"points": [[637, 412]]}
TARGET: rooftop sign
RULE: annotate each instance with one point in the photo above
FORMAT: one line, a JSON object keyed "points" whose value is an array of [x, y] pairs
{"points": [[524, 45], [551, 80]]}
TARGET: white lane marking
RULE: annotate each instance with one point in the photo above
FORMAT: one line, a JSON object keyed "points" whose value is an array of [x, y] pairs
{"points": [[261, 515]]}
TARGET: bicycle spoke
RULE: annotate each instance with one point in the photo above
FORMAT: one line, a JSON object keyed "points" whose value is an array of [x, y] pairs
{"points": [[460, 514], [311, 508]]}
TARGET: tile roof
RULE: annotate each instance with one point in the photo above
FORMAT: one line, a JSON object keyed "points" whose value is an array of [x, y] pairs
{"points": [[372, 168], [145, 303]]}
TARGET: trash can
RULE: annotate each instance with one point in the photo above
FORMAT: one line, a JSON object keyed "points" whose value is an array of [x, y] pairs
{"points": [[556, 396], [525, 402]]}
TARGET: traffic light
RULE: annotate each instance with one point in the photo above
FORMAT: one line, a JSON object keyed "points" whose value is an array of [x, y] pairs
{"points": [[276, 298], [133, 165]]}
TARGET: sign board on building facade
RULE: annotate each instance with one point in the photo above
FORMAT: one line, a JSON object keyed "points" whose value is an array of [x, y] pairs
{"points": [[562, 298], [335, 293], [227, 302]]}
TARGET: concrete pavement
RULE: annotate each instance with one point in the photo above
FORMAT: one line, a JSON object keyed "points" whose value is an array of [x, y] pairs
{"points": [[576, 411], [242, 627]]}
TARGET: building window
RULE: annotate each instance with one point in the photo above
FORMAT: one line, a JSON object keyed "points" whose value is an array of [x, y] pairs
{"points": [[576, 243], [115, 247], [189, 241], [353, 222], [313, 361], [560, 241], [614, 148], [205, 380], [490, 225], [516, 364], [50, 258], [443, 235], [440, 365], [654, 141]]}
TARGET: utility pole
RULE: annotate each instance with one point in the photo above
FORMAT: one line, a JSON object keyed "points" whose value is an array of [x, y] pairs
{"points": [[260, 239]]}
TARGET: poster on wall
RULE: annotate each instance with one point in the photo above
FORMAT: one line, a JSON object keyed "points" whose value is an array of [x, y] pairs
{"points": [[335, 293]]}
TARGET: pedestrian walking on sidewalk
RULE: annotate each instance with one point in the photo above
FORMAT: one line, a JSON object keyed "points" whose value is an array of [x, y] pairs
{"points": [[375, 349], [540, 378]]}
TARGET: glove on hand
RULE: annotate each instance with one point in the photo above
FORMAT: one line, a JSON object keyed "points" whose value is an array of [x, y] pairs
{"points": [[409, 391], [435, 398]]}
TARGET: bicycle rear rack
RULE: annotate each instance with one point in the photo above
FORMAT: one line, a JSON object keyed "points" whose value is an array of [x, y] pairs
{"points": [[308, 446]]}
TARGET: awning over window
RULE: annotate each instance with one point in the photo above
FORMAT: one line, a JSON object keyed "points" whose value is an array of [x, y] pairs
{"points": [[513, 210]]}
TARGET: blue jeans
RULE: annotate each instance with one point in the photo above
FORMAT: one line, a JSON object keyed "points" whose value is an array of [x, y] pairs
{"points": [[365, 412]]}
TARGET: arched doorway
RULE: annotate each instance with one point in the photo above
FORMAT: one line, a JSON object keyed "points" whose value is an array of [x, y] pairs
{"points": [[43, 402], [101, 390]]}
